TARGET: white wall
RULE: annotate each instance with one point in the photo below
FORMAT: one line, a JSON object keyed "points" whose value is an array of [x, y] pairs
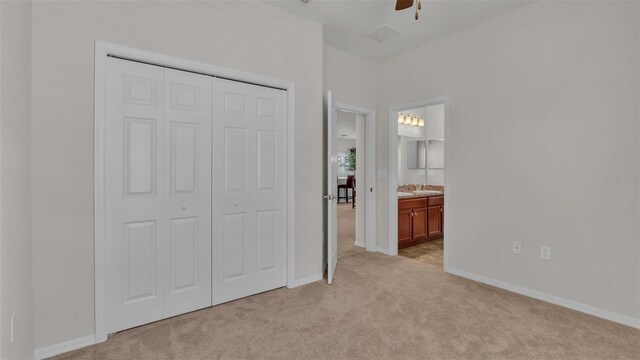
{"points": [[15, 174], [543, 114], [352, 79], [248, 36]]}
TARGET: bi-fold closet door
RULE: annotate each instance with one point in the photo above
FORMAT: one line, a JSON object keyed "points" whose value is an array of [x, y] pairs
{"points": [[158, 196], [170, 248]]}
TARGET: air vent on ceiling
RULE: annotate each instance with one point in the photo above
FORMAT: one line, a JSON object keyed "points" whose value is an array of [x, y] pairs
{"points": [[384, 33], [304, 1]]}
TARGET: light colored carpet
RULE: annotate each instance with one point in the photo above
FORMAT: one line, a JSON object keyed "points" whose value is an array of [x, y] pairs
{"points": [[379, 307]]}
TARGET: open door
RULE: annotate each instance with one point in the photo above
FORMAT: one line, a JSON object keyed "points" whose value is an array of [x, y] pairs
{"points": [[332, 188]]}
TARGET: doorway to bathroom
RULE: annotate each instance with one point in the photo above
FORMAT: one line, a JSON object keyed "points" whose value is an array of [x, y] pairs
{"points": [[417, 179]]}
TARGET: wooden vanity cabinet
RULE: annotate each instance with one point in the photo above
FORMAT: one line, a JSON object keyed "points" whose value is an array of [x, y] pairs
{"points": [[405, 219], [419, 220], [435, 211]]}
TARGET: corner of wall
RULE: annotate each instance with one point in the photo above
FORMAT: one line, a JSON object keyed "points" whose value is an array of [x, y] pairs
{"points": [[16, 290]]}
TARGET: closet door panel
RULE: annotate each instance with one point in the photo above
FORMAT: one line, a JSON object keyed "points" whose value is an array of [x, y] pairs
{"points": [[248, 189], [187, 194], [134, 167]]}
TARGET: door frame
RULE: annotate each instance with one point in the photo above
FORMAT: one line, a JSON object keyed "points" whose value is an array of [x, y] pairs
{"points": [[370, 172], [392, 247], [102, 51]]}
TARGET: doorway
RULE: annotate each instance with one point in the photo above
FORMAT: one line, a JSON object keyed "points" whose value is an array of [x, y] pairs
{"points": [[350, 159], [351, 168], [418, 167]]}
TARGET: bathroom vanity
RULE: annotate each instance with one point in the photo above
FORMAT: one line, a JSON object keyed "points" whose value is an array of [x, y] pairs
{"points": [[420, 217]]}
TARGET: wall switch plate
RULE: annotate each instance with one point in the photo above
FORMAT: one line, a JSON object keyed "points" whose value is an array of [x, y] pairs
{"points": [[545, 253], [516, 247]]}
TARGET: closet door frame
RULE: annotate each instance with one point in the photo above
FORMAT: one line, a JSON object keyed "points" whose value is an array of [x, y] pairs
{"points": [[103, 50]]}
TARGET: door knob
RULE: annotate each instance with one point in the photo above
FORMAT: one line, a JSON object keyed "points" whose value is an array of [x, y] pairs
{"points": [[184, 207], [235, 203]]}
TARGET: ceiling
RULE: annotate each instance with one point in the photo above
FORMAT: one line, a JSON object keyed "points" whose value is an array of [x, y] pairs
{"points": [[347, 22]]}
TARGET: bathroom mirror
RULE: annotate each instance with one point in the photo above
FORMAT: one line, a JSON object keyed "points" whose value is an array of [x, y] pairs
{"points": [[416, 154]]}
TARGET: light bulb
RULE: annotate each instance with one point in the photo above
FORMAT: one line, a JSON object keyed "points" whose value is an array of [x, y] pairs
{"points": [[400, 119], [414, 121], [421, 122]]}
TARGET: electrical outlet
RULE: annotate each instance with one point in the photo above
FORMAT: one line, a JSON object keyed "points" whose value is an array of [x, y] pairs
{"points": [[13, 322], [516, 247], [545, 253]]}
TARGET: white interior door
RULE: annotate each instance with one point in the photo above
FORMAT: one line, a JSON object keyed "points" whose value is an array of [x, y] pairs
{"points": [[248, 189], [332, 186], [187, 192], [134, 198], [157, 195]]}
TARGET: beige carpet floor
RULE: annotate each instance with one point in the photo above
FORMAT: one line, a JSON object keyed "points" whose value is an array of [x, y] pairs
{"points": [[431, 252], [379, 307]]}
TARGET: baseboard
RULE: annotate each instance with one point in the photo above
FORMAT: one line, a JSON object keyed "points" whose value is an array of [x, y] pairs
{"points": [[574, 305], [63, 347], [359, 244], [308, 280]]}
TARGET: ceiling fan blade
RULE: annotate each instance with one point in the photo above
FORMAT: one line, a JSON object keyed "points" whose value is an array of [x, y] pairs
{"points": [[403, 4]]}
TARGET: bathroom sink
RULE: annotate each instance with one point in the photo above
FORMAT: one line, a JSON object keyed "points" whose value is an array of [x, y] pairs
{"points": [[404, 194], [428, 192]]}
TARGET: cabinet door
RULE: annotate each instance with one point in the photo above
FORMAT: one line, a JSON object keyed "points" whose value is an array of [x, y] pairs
{"points": [[434, 221], [404, 226], [419, 224]]}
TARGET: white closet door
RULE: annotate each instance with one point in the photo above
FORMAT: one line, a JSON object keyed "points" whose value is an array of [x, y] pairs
{"points": [[248, 189], [134, 201], [158, 192], [187, 191]]}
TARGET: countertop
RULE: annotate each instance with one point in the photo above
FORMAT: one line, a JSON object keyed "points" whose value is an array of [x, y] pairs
{"points": [[416, 196]]}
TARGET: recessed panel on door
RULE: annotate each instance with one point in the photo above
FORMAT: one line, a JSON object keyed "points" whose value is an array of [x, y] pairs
{"points": [[235, 158], [233, 243], [184, 254], [139, 265], [266, 226], [184, 151], [139, 156], [267, 159]]}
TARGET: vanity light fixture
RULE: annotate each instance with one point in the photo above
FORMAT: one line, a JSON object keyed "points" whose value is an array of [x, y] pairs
{"points": [[406, 119]]}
